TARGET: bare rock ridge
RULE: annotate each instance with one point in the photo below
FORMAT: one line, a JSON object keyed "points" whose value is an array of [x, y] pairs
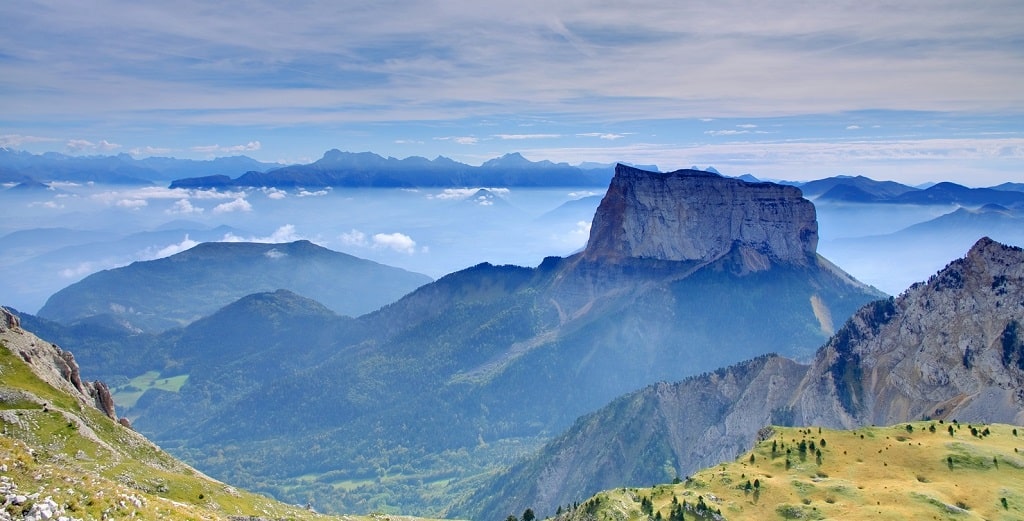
{"points": [[951, 347], [54, 365], [692, 215]]}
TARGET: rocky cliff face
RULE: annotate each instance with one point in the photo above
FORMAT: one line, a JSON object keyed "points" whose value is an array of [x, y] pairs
{"points": [[690, 215], [53, 365], [952, 347]]}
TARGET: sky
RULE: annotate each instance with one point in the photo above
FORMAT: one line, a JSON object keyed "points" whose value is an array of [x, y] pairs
{"points": [[912, 91]]}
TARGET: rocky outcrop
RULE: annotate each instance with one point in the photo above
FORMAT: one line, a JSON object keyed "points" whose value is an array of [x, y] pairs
{"points": [[691, 215], [952, 347], [52, 364]]}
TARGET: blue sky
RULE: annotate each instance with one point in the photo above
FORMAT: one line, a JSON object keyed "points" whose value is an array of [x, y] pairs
{"points": [[910, 90]]}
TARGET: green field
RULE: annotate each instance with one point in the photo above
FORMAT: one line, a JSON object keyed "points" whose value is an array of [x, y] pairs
{"points": [[128, 394]]}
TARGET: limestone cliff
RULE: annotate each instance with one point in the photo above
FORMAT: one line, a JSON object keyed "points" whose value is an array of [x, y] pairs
{"points": [[952, 347], [691, 215], [53, 365]]}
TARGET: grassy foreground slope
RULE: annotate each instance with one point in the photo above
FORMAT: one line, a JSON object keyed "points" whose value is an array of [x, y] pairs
{"points": [[919, 470], [60, 457]]}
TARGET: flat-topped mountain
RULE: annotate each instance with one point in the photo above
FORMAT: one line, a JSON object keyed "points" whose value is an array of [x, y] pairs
{"points": [[692, 215], [173, 291], [949, 348]]}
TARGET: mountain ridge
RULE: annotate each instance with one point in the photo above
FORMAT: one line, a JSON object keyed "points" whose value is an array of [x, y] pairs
{"points": [[950, 347]]}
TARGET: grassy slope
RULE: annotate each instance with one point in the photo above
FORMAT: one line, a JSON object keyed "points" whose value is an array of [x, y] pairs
{"points": [[871, 473], [53, 446]]}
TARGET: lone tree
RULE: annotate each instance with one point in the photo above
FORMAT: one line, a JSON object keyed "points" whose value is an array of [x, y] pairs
{"points": [[528, 515]]}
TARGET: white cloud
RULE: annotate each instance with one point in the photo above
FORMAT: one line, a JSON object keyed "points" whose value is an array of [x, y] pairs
{"points": [[167, 251], [729, 132], [318, 193], [466, 193], [251, 146], [134, 204], [150, 151], [184, 207], [354, 238], [82, 145], [18, 140], [285, 233], [46, 204], [527, 136], [603, 135], [275, 193], [274, 253], [853, 127], [399, 242], [238, 205]]}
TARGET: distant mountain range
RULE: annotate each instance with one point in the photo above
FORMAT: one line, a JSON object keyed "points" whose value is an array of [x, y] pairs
{"points": [[30, 170], [860, 189]]}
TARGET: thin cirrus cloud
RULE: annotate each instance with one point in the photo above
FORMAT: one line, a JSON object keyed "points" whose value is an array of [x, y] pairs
{"points": [[88, 76]]}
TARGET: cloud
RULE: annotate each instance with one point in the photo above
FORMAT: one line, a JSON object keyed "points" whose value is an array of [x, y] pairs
{"points": [[18, 140], [399, 242], [82, 145], [167, 251], [46, 204], [150, 151], [284, 233], [251, 146], [527, 136], [729, 132], [184, 207], [134, 204], [275, 193], [603, 135], [462, 140], [465, 193], [318, 193], [237, 205], [853, 127], [354, 238], [274, 253]]}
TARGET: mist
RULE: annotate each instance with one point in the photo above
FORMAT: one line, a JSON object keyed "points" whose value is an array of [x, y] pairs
{"points": [[52, 238]]}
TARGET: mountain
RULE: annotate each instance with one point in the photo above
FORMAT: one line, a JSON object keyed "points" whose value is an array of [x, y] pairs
{"points": [[854, 189], [176, 290], [913, 470], [926, 246], [1016, 187], [366, 169], [121, 169], [952, 193], [64, 456], [949, 348], [465, 374]]}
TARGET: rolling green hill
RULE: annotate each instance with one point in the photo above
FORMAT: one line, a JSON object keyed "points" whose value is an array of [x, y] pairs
{"points": [[917, 470]]}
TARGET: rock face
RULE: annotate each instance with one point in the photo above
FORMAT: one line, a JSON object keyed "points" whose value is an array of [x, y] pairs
{"points": [[691, 215], [952, 347], [52, 364]]}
